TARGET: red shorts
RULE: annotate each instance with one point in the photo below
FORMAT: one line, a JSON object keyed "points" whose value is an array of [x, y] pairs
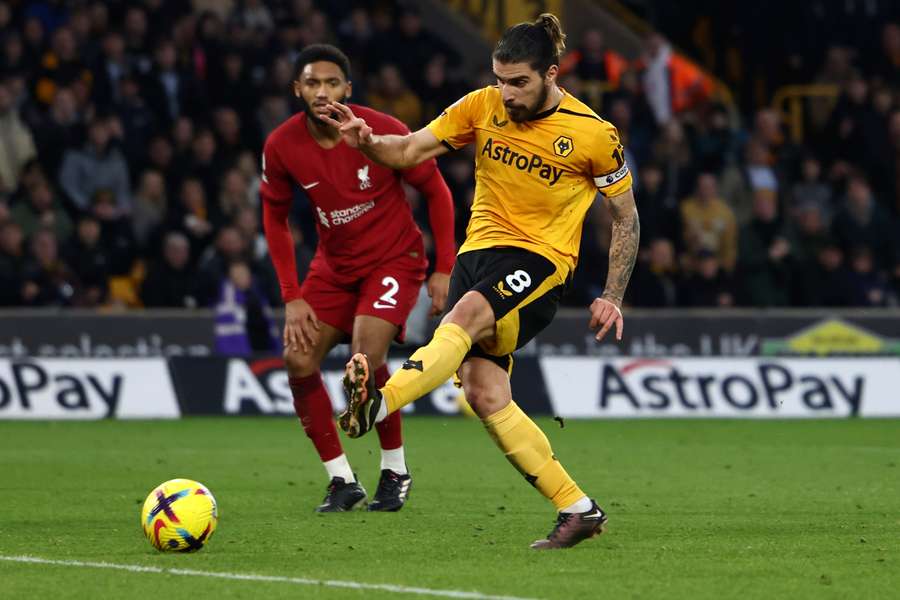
{"points": [[389, 292]]}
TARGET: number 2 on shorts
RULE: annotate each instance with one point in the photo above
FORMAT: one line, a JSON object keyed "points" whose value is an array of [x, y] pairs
{"points": [[387, 300]]}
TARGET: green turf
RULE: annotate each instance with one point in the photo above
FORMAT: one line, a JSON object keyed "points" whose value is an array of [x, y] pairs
{"points": [[699, 509]]}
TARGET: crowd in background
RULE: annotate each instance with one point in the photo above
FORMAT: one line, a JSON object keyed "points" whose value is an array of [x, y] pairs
{"points": [[130, 135]]}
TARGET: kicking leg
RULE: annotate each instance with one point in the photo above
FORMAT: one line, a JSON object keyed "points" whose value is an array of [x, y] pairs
{"points": [[488, 392], [470, 320]]}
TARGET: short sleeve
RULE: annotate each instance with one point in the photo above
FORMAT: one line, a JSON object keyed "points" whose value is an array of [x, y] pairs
{"points": [[610, 171], [454, 127], [276, 181]]}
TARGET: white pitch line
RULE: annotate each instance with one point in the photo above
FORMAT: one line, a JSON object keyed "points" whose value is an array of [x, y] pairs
{"points": [[385, 587]]}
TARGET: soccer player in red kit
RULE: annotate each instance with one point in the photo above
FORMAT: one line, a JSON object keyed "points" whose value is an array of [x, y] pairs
{"points": [[360, 287]]}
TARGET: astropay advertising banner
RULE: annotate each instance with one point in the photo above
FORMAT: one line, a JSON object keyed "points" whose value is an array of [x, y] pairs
{"points": [[86, 389], [722, 387]]}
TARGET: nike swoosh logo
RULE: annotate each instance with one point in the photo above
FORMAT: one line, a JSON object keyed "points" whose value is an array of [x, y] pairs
{"points": [[310, 186], [596, 515]]}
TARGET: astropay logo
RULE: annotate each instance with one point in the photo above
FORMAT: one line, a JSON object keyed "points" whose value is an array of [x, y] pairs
{"points": [[86, 389], [500, 151], [755, 388]]}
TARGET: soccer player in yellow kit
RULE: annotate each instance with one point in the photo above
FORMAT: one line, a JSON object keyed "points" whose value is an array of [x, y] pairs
{"points": [[541, 157]]}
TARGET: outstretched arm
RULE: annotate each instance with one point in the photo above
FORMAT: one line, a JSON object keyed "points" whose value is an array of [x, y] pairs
{"points": [[392, 151], [606, 311]]}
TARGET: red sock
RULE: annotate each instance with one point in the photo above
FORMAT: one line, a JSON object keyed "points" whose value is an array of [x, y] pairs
{"points": [[313, 406], [389, 431]]}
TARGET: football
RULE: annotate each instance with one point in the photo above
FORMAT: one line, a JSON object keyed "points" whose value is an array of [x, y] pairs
{"points": [[179, 515]]}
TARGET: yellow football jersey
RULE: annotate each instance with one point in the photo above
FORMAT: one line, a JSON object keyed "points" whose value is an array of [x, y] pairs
{"points": [[534, 181]]}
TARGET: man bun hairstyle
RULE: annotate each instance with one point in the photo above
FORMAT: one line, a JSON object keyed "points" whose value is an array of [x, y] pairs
{"points": [[539, 43], [322, 52]]}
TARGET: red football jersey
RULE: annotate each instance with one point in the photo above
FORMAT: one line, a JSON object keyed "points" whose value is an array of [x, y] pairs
{"points": [[362, 216]]}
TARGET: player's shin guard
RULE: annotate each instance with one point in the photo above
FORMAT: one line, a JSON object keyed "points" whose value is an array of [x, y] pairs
{"points": [[428, 367], [390, 430], [313, 407], [528, 449]]}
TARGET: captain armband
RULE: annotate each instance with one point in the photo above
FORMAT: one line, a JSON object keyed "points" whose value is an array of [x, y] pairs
{"points": [[605, 181]]}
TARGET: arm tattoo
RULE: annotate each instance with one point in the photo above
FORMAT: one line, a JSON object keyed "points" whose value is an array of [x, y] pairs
{"points": [[623, 249]]}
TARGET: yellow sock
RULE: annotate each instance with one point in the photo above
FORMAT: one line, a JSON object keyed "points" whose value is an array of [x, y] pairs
{"points": [[528, 449], [428, 367]]}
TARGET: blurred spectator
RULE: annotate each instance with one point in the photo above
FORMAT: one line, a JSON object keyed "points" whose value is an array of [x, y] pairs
{"points": [[170, 281], [593, 61], [230, 246], [709, 224], [355, 35], [150, 203], [98, 166], [673, 83], [868, 286], [234, 196], [116, 236], [248, 164], [202, 164], [656, 282], [89, 262], [247, 223], [137, 34], [244, 323], [886, 68], [233, 88], [862, 222], [192, 216], [61, 66], [182, 138], [109, 71], [14, 61], [825, 282], [170, 91], [16, 143], [810, 189], [408, 44], [673, 150], [390, 94], [12, 263], [62, 129], [161, 157], [254, 14], [714, 140], [231, 139], [134, 122], [765, 254], [709, 285], [740, 182], [273, 111], [41, 209], [811, 234], [438, 92], [657, 207], [48, 280]]}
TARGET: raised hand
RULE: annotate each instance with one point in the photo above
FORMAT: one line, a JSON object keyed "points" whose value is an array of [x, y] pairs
{"points": [[354, 130]]}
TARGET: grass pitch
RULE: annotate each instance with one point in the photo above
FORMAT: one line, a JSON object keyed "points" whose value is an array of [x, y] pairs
{"points": [[698, 509]]}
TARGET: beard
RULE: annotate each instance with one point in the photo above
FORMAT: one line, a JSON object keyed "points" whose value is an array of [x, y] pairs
{"points": [[312, 116], [521, 113]]}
